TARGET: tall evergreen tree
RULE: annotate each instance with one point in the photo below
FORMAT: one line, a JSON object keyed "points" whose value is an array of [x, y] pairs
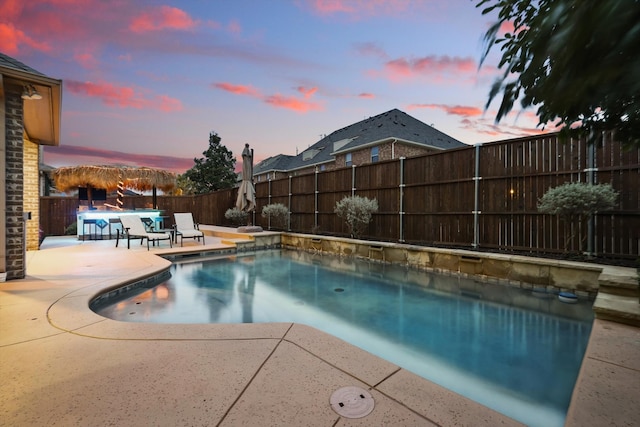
{"points": [[214, 171]]}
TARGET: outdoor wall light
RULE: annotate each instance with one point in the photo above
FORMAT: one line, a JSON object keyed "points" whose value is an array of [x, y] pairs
{"points": [[30, 92]]}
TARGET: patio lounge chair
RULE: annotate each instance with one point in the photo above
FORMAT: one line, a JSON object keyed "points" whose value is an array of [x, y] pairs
{"points": [[185, 227], [133, 228]]}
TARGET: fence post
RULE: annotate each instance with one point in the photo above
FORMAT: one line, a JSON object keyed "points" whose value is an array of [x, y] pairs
{"points": [[290, 194], [353, 180], [401, 204], [269, 199], [476, 208], [315, 209], [591, 180]]}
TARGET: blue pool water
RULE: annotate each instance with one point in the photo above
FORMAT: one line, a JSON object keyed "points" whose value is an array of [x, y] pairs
{"points": [[516, 351]]}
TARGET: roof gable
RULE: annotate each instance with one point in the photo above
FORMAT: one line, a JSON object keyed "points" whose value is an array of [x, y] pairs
{"points": [[389, 125]]}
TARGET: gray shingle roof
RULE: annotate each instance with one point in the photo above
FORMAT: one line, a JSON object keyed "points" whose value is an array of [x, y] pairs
{"points": [[389, 125], [9, 62]]}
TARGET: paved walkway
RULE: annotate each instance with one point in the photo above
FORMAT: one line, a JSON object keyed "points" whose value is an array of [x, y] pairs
{"points": [[61, 364]]}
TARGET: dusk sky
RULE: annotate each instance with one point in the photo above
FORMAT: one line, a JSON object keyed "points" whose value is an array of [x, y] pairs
{"points": [[144, 82]]}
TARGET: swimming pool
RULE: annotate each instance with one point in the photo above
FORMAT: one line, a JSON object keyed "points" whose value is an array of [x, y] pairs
{"points": [[514, 350]]}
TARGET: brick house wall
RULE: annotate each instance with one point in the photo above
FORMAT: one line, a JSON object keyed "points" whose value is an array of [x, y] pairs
{"points": [[31, 201], [386, 151], [14, 129]]}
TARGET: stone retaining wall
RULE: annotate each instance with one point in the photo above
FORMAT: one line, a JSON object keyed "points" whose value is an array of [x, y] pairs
{"points": [[554, 275]]}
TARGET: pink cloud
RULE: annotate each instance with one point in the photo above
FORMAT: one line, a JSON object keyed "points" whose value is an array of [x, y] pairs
{"points": [[11, 8], [366, 95], [357, 8], [327, 7], [454, 110], [234, 27], [161, 18], [122, 96], [403, 68], [277, 100], [487, 126], [371, 49], [167, 104], [307, 92], [291, 103], [11, 38], [237, 89], [86, 60], [69, 155]]}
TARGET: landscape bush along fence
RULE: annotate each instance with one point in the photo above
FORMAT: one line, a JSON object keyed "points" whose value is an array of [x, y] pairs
{"points": [[482, 196]]}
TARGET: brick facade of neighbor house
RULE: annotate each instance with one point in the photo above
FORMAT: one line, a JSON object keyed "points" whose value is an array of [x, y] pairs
{"points": [[386, 151], [31, 202], [15, 246]]}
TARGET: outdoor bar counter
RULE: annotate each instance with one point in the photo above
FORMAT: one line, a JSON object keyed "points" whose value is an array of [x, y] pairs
{"points": [[102, 224]]}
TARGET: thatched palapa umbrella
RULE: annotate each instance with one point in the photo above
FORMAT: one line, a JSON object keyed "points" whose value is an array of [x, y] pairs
{"points": [[107, 177]]}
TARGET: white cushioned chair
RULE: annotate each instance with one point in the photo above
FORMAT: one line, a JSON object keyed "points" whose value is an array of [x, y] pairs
{"points": [[186, 227]]}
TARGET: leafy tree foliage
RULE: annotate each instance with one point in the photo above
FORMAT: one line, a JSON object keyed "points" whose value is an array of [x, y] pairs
{"points": [[214, 171], [184, 186], [357, 213], [575, 202], [578, 61]]}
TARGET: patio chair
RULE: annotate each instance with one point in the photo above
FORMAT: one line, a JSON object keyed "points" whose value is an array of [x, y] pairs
{"points": [[185, 227], [133, 228]]}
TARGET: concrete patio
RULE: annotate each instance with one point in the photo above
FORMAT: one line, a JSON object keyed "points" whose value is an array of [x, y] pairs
{"points": [[62, 364]]}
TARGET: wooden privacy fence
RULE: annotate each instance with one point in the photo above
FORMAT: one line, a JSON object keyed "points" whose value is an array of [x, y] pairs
{"points": [[482, 197]]}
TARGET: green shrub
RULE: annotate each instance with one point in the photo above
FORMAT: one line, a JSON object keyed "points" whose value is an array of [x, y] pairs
{"points": [[357, 213], [576, 202], [237, 216], [71, 229], [277, 214]]}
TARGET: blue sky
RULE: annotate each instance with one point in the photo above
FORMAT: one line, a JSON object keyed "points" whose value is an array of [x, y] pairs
{"points": [[144, 82]]}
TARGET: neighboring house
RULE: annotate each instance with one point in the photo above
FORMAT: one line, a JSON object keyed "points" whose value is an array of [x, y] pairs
{"points": [[386, 136], [30, 105]]}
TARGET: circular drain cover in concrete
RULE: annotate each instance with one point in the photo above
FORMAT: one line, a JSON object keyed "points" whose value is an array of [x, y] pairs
{"points": [[352, 402]]}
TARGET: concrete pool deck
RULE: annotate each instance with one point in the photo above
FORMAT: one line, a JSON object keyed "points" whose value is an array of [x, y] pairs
{"points": [[62, 364]]}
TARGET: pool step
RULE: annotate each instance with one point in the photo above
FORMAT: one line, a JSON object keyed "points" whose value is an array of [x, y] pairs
{"points": [[617, 308], [618, 299], [624, 286]]}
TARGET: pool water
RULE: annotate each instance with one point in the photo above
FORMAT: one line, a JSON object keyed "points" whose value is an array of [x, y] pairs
{"points": [[514, 350]]}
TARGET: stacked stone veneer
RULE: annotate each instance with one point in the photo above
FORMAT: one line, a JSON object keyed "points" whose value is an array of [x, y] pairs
{"points": [[526, 272], [15, 244]]}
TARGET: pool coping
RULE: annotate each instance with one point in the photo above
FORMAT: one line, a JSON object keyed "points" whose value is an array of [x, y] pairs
{"points": [[64, 297]]}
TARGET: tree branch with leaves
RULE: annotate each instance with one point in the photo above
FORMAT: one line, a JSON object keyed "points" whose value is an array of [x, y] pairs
{"points": [[577, 61]]}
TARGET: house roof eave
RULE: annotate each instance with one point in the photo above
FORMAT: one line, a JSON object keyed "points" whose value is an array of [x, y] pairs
{"points": [[41, 117]]}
